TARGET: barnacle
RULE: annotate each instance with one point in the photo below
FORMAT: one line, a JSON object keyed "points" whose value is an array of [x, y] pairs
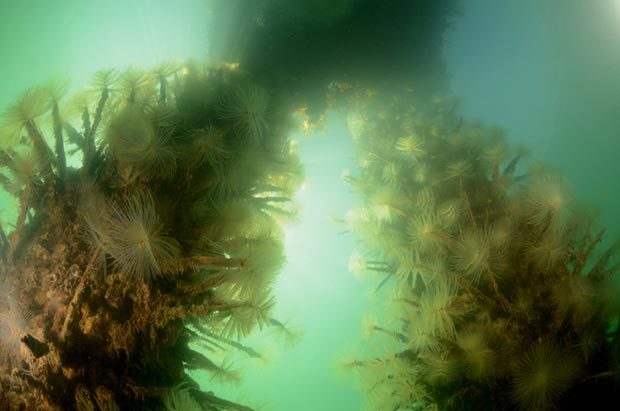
{"points": [[546, 252], [143, 141], [546, 201], [104, 79], [426, 233], [25, 109], [135, 85], [386, 205], [478, 357], [439, 368], [543, 374], [30, 105], [56, 89], [472, 255], [209, 147], [458, 169], [246, 107], [434, 317], [262, 259], [249, 310], [25, 165], [135, 237], [412, 146]]}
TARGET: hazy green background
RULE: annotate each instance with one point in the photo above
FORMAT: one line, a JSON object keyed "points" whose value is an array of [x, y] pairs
{"points": [[547, 71]]}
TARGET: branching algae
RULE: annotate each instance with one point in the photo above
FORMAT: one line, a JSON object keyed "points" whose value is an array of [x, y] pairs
{"points": [[165, 232], [496, 294]]}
